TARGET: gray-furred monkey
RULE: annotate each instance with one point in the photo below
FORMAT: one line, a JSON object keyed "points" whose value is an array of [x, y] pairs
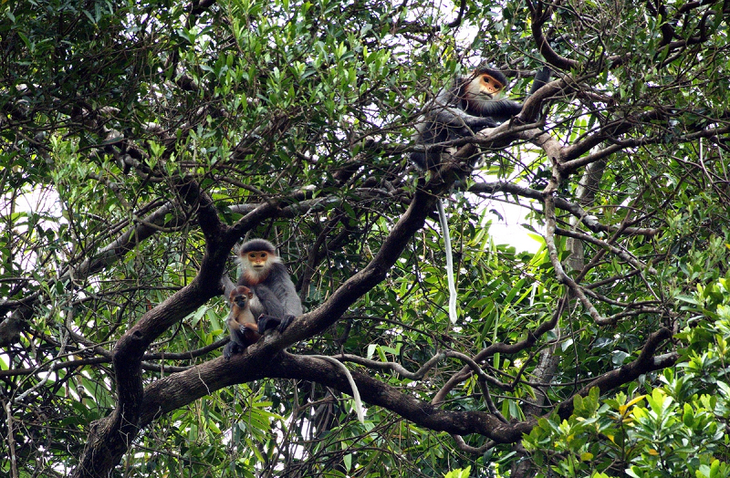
{"points": [[264, 299], [471, 104], [263, 273], [275, 298]]}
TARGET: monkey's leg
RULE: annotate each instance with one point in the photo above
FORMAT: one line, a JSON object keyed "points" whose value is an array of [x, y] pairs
{"points": [[251, 334], [285, 322], [269, 322], [247, 334]]}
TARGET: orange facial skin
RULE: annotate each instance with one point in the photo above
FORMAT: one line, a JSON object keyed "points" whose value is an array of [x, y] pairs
{"points": [[491, 85], [258, 259], [484, 86], [257, 265]]}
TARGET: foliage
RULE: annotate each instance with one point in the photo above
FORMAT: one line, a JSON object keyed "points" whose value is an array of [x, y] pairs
{"points": [[675, 428], [140, 140]]}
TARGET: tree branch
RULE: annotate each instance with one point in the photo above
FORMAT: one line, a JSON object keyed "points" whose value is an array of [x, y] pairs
{"points": [[644, 363]]}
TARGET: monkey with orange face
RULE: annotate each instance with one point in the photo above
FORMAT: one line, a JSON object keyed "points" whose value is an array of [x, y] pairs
{"points": [[266, 291], [265, 297], [471, 104]]}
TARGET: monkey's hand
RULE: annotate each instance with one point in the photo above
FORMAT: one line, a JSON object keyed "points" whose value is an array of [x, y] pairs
{"points": [[479, 123]]}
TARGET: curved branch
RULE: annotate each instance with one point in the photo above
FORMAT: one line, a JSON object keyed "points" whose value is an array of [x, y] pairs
{"points": [[113, 433], [607, 132], [531, 107], [179, 389], [395, 367], [461, 445], [420, 412], [550, 55], [423, 203], [645, 362], [457, 21], [111, 436], [574, 209]]}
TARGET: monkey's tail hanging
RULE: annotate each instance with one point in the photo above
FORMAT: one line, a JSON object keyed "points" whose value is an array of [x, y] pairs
{"points": [[351, 381], [449, 261]]}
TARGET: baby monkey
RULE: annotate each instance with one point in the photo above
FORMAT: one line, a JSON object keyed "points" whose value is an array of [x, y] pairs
{"points": [[244, 328]]}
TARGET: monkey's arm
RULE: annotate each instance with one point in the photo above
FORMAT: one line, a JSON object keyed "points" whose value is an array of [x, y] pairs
{"points": [[504, 109], [275, 314], [270, 303], [283, 288], [444, 111], [498, 111]]}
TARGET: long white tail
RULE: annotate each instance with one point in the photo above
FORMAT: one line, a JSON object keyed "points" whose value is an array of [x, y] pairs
{"points": [[449, 262], [353, 386]]}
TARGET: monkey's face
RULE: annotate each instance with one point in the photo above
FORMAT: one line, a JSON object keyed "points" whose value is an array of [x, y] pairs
{"points": [[484, 87], [241, 301], [240, 296], [258, 259]]}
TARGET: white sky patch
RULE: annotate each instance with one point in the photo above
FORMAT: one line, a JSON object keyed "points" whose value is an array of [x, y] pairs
{"points": [[509, 229]]}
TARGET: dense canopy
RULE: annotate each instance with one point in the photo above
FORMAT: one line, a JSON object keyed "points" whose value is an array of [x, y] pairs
{"points": [[141, 141]]}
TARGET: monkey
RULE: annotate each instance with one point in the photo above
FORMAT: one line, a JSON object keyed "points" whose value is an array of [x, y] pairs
{"points": [[264, 298], [471, 104], [274, 296], [242, 326]]}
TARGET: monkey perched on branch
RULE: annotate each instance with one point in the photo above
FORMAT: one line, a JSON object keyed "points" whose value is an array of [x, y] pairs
{"points": [[265, 288], [264, 299], [471, 104], [242, 326]]}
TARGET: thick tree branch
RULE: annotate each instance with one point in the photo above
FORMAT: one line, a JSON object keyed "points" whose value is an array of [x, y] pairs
{"points": [[176, 390], [328, 313], [111, 436]]}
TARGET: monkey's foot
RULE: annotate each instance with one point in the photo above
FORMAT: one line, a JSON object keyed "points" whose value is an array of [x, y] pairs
{"points": [[286, 322], [231, 349]]}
